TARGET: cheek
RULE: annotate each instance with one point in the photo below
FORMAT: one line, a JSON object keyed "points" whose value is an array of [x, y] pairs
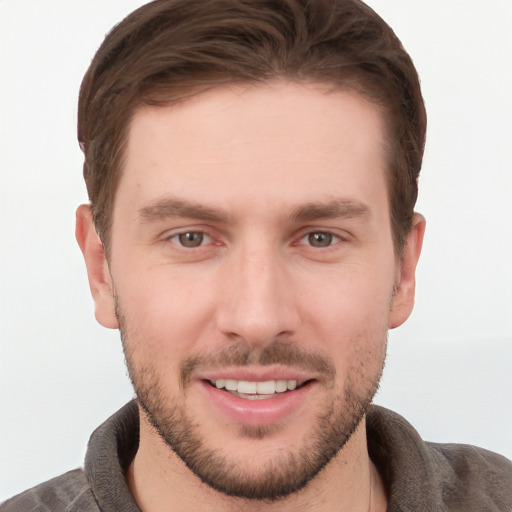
{"points": [[352, 301], [156, 290], [348, 320], [165, 312]]}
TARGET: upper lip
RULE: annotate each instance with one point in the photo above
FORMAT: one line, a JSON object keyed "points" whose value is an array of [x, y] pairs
{"points": [[261, 374]]}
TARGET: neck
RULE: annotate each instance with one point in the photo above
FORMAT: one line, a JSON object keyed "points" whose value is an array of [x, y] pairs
{"points": [[350, 481]]}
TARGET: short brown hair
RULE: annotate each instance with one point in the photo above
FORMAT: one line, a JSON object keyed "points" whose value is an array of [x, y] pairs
{"points": [[168, 50]]}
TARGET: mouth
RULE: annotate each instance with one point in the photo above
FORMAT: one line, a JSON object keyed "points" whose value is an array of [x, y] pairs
{"points": [[256, 400], [257, 390]]}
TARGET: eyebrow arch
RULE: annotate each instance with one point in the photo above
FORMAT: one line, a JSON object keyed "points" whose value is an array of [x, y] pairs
{"points": [[171, 207], [339, 208]]}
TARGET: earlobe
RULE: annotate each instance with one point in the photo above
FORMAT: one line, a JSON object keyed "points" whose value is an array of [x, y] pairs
{"points": [[403, 300], [98, 273]]}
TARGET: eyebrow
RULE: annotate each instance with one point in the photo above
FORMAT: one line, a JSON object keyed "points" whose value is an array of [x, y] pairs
{"points": [[338, 208], [171, 207]]}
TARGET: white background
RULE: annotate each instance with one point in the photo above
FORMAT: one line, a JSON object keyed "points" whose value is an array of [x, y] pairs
{"points": [[449, 368]]}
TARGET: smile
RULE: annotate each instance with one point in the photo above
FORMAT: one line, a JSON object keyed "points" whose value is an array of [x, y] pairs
{"points": [[256, 390], [256, 402]]}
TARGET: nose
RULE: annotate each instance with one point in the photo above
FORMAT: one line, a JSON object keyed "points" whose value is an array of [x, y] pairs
{"points": [[258, 302]]}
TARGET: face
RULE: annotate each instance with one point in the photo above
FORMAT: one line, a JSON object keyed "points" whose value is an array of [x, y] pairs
{"points": [[254, 278]]}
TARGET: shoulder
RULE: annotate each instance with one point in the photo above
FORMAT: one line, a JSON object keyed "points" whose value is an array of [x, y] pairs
{"points": [[473, 475], [69, 492], [425, 476]]}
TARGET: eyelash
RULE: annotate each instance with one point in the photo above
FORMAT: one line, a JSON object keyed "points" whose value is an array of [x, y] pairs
{"points": [[176, 238], [332, 239]]}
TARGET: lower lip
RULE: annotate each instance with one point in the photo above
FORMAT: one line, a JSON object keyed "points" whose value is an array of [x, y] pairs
{"points": [[258, 412]]}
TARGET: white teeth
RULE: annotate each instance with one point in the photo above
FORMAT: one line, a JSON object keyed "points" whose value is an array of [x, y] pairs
{"points": [[266, 388], [281, 386], [246, 387], [292, 384], [269, 387], [231, 385]]}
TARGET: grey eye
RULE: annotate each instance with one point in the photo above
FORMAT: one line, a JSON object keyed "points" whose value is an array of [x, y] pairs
{"points": [[190, 239], [320, 239]]}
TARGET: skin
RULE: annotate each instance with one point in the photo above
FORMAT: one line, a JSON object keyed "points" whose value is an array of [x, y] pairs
{"points": [[241, 167]]}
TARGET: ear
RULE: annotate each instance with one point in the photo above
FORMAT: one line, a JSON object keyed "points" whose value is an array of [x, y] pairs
{"points": [[403, 300], [98, 272]]}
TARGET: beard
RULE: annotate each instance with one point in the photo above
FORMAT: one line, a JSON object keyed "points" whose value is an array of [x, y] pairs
{"points": [[284, 473]]}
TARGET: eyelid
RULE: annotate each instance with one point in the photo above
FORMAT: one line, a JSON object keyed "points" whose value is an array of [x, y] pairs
{"points": [[335, 238], [171, 236], [205, 241], [338, 234]]}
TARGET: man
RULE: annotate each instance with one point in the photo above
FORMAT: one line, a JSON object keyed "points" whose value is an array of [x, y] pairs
{"points": [[252, 169]]}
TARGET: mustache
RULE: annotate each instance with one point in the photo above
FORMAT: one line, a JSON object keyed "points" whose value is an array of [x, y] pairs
{"points": [[277, 352]]}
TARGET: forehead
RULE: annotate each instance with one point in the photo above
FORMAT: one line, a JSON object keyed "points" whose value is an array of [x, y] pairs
{"points": [[281, 142]]}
